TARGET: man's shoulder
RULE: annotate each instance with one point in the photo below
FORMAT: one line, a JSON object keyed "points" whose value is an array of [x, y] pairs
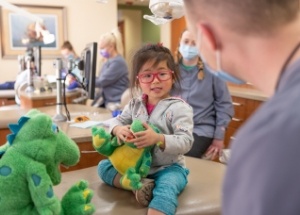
{"points": [[264, 151], [275, 122]]}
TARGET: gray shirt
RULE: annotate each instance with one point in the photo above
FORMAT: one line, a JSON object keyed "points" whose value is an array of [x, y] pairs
{"points": [[113, 79], [210, 100], [263, 175], [174, 118]]}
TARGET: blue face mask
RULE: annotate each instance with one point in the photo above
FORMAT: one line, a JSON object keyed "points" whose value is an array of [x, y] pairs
{"points": [[70, 56], [104, 53], [219, 72], [188, 52]]}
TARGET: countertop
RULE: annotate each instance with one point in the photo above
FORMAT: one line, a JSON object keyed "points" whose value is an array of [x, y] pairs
{"points": [[77, 134], [247, 93], [202, 194], [234, 91], [8, 116], [7, 94]]}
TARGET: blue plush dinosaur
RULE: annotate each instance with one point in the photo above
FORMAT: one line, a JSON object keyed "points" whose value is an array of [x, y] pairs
{"points": [[29, 168]]}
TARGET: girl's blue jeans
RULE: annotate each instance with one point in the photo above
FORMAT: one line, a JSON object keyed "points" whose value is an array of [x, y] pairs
{"points": [[169, 183]]}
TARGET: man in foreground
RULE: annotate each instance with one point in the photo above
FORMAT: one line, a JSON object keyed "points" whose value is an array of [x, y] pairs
{"points": [[257, 41]]}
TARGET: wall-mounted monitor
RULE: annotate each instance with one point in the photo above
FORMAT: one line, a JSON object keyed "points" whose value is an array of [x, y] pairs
{"points": [[88, 67]]}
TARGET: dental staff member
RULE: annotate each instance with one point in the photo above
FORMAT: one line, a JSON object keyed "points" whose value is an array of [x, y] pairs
{"points": [[113, 79], [209, 97], [257, 41]]}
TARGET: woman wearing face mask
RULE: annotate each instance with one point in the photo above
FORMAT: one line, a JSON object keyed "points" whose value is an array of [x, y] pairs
{"points": [[113, 79], [209, 97], [68, 53]]}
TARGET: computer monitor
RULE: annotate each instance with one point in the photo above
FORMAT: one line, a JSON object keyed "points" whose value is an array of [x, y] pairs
{"points": [[88, 67]]}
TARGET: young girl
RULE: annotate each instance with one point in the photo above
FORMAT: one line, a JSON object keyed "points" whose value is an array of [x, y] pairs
{"points": [[154, 73]]}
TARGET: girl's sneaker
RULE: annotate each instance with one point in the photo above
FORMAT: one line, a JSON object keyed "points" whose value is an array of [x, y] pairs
{"points": [[144, 195]]}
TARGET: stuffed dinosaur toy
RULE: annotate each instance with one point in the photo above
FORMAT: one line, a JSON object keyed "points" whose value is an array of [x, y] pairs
{"points": [[29, 168], [132, 163]]}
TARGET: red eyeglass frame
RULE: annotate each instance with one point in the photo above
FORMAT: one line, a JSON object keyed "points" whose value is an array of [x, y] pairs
{"points": [[155, 74]]}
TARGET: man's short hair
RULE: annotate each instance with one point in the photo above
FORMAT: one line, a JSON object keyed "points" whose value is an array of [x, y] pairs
{"points": [[248, 16]]}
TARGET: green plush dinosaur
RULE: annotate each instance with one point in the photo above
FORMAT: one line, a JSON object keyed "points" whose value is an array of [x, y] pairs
{"points": [[29, 167], [132, 163]]}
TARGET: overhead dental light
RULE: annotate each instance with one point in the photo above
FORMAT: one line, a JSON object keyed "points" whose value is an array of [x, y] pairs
{"points": [[40, 30], [164, 11]]}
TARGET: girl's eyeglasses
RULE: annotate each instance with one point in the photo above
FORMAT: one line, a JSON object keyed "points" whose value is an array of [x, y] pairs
{"points": [[148, 77]]}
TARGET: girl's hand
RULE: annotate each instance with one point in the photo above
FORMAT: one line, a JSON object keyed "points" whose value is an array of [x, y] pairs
{"points": [[122, 133], [145, 138], [214, 150]]}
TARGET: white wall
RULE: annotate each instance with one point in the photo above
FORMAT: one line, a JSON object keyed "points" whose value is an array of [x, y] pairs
{"points": [[86, 21], [165, 34], [133, 29]]}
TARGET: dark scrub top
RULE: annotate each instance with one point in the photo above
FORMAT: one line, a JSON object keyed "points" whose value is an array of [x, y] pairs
{"points": [[263, 175]]}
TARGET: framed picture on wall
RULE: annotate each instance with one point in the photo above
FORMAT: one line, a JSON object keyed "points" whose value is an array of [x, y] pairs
{"points": [[16, 28]]}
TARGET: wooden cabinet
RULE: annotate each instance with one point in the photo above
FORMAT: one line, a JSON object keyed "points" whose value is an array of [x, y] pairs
{"points": [[43, 100], [7, 101], [7, 97], [83, 137], [88, 156], [3, 134], [243, 108]]}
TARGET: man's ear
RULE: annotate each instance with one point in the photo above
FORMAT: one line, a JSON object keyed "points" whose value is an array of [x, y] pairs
{"points": [[207, 35]]}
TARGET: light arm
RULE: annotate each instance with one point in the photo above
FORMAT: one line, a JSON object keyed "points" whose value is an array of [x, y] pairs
{"points": [[47, 37], [20, 11]]}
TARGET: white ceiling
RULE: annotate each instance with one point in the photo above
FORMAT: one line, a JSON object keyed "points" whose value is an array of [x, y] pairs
{"points": [[134, 2]]}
